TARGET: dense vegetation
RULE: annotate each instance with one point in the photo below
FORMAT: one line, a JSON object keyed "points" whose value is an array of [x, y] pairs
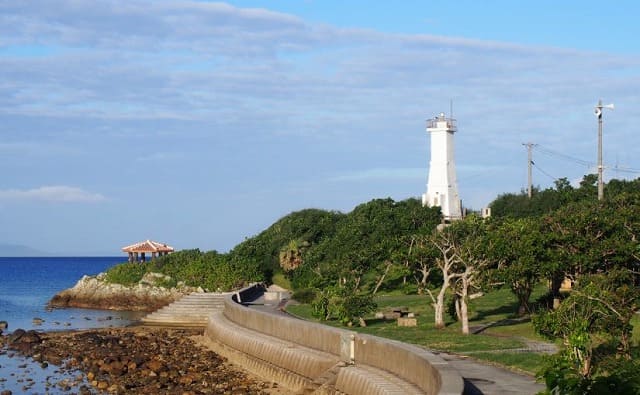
{"points": [[338, 262]]}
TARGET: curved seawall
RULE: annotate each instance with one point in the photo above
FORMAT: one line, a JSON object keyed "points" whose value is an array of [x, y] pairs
{"points": [[307, 357]]}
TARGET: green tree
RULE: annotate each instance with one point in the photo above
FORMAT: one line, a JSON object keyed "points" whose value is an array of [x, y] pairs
{"points": [[460, 254], [518, 247], [590, 236], [594, 326]]}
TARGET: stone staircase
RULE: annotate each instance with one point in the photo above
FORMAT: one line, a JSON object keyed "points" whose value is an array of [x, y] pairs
{"points": [[191, 311]]}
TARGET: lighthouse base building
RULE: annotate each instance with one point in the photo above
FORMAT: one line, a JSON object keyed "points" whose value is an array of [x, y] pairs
{"points": [[442, 186]]}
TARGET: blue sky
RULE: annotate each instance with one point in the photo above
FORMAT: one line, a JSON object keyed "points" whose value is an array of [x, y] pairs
{"points": [[199, 124]]}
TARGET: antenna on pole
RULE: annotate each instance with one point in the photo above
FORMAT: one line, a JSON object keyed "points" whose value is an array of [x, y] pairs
{"points": [[529, 163]]}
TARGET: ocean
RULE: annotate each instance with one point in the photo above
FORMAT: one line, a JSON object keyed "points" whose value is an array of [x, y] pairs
{"points": [[26, 285]]}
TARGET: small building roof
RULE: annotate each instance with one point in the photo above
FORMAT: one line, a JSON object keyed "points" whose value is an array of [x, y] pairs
{"points": [[148, 246]]}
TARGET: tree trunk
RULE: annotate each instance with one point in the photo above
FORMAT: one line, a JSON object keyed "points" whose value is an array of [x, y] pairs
{"points": [[556, 283], [523, 294], [464, 310], [439, 306], [457, 306], [464, 313], [381, 280]]}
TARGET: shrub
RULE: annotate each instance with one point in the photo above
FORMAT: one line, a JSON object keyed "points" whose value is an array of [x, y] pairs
{"points": [[306, 295], [126, 273], [352, 307]]}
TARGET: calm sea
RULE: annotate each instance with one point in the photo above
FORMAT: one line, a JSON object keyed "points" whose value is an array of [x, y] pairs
{"points": [[26, 285]]}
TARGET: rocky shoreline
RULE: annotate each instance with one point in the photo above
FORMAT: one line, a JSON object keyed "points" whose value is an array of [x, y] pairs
{"points": [[134, 360], [93, 292]]}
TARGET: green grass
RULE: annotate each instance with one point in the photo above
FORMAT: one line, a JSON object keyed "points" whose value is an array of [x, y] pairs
{"points": [[280, 280], [635, 335], [498, 344], [527, 362]]}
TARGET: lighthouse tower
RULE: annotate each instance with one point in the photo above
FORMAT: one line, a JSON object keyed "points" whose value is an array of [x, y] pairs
{"points": [[442, 186]]}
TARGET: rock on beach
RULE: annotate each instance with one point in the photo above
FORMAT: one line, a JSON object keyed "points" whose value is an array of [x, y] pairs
{"points": [[138, 360], [95, 293]]}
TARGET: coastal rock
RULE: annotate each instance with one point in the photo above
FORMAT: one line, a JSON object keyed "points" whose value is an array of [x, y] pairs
{"points": [[95, 293], [23, 341], [142, 361], [16, 335], [4, 324]]}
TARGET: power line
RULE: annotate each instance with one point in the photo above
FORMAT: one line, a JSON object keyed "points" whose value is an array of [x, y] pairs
{"points": [[544, 172], [551, 152], [625, 169], [582, 162]]}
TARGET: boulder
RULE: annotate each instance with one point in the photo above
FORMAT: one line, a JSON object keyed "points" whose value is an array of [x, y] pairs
{"points": [[15, 336], [20, 336]]}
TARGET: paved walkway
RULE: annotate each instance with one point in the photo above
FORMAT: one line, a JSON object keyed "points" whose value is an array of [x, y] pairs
{"points": [[481, 378]]}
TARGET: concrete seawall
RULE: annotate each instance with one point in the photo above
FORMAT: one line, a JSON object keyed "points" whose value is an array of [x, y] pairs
{"points": [[307, 357]]}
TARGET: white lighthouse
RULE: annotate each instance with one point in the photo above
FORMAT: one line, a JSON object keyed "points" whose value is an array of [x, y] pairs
{"points": [[442, 186]]}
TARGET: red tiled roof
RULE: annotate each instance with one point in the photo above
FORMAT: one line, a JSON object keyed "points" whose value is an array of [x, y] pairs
{"points": [[148, 246]]}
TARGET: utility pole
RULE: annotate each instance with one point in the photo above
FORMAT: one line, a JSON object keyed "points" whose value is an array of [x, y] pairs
{"points": [[529, 163], [598, 112]]}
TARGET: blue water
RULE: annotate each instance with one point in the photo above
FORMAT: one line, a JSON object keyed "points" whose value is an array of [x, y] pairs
{"points": [[26, 285]]}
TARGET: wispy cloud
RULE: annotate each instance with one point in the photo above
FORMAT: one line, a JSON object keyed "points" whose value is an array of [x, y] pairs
{"points": [[379, 174], [54, 193]]}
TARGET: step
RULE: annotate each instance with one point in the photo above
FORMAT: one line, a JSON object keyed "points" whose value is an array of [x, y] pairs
{"points": [[205, 307], [201, 325], [177, 318], [191, 310]]}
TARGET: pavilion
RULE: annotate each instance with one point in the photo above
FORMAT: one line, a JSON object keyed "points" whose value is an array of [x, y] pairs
{"points": [[137, 252]]}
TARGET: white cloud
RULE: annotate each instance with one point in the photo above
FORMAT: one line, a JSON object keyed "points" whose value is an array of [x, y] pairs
{"points": [[54, 193], [380, 174]]}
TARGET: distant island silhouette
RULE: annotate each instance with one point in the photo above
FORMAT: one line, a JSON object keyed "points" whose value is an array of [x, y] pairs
{"points": [[18, 250]]}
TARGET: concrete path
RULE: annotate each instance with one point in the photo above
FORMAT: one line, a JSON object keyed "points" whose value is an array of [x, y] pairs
{"points": [[481, 378]]}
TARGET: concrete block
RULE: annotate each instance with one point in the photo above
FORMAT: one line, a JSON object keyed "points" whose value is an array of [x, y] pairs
{"points": [[406, 321]]}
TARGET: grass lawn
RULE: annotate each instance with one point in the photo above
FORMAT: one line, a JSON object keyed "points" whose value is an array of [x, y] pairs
{"points": [[635, 336], [501, 344]]}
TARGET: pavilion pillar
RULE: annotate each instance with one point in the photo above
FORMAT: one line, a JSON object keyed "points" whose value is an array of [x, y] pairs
{"points": [[153, 256], [143, 258], [136, 256]]}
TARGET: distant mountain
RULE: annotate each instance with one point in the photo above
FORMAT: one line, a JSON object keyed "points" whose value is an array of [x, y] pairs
{"points": [[12, 250]]}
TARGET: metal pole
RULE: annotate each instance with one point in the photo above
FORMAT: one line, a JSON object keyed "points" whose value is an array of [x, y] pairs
{"points": [[530, 177], [529, 163], [600, 182]]}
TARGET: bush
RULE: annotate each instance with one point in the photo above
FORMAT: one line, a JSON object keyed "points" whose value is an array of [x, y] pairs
{"points": [[168, 282], [306, 296], [126, 273], [409, 289], [353, 307]]}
